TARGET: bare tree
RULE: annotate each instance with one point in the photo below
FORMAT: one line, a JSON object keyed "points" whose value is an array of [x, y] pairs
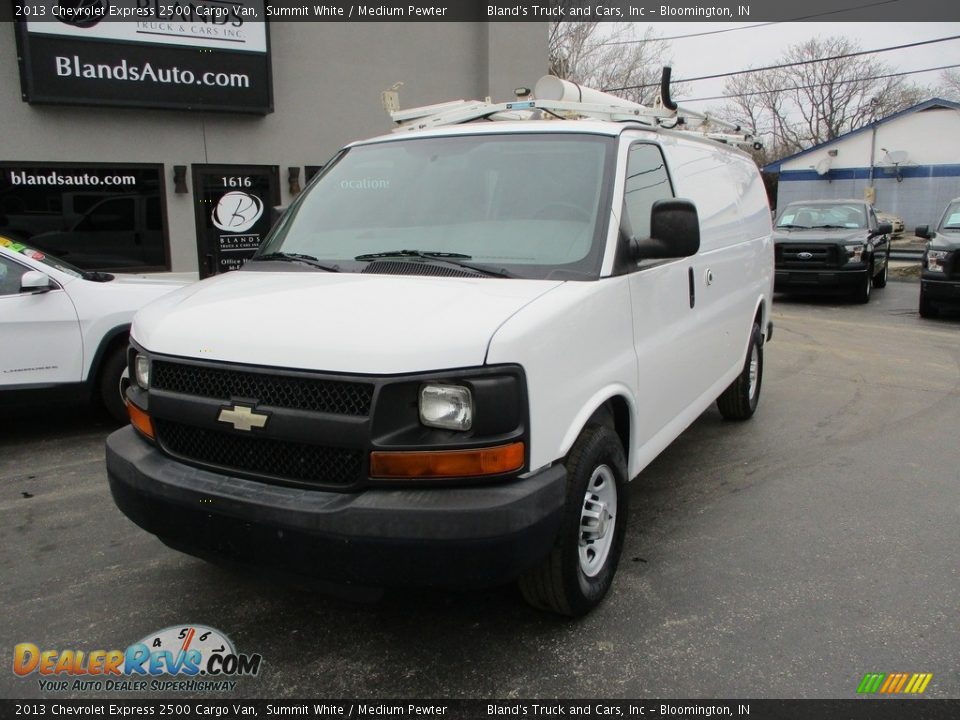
{"points": [[815, 100], [594, 54], [949, 88]]}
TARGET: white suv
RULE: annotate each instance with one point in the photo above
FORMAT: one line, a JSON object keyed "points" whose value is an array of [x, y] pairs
{"points": [[64, 330], [450, 356]]}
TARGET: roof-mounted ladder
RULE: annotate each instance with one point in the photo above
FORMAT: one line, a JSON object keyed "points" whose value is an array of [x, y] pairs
{"points": [[561, 99]]}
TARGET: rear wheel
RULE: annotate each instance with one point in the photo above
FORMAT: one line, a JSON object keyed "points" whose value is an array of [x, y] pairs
{"points": [[113, 383], [579, 570], [739, 400], [927, 308]]}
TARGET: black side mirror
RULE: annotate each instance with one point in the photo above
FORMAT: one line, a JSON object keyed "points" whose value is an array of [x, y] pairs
{"points": [[923, 231], [674, 232], [884, 228]]}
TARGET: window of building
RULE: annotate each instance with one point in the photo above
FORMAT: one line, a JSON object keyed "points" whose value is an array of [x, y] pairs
{"points": [[94, 216]]}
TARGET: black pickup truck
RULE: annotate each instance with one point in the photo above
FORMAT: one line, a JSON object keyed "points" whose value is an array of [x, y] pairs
{"points": [[831, 246], [940, 276]]}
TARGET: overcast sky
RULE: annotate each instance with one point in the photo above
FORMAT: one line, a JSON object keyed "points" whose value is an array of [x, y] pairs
{"points": [[758, 46]]}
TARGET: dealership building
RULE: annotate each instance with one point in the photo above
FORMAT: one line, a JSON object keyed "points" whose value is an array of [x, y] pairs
{"points": [[146, 147]]}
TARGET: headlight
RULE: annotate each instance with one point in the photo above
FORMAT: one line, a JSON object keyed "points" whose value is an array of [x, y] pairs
{"points": [[446, 406], [935, 260], [855, 252], [141, 366]]}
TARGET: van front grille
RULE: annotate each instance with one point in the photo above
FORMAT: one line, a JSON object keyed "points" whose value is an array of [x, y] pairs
{"points": [[264, 458], [281, 391]]}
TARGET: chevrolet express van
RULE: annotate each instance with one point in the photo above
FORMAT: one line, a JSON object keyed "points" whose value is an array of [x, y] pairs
{"points": [[450, 356]]}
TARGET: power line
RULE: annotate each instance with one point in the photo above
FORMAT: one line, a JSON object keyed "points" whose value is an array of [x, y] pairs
{"points": [[790, 64], [816, 85], [750, 27], [700, 34]]}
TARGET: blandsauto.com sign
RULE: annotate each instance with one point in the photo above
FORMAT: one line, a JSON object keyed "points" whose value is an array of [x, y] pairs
{"points": [[196, 55]]}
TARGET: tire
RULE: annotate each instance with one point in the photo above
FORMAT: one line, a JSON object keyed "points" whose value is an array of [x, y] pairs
{"points": [[739, 401], [862, 294], [112, 384], [578, 572], [880, 281], [927, 308]]}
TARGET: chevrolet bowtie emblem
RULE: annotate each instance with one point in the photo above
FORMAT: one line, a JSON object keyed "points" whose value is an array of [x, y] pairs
{"points": [[242, 417]]}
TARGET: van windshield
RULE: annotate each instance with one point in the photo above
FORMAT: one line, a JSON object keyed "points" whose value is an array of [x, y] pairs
{"points": [[530, 204]]}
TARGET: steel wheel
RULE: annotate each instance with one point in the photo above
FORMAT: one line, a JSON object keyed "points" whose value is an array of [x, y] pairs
{"points": [[598, 519]]}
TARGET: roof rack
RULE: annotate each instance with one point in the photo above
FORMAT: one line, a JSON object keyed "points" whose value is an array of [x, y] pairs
{"points": [[555, 98]]}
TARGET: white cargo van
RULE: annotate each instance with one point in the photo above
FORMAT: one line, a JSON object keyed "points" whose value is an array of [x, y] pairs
{"points": [[454, 351]]}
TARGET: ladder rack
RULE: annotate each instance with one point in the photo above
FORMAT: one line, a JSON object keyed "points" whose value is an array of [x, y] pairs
{"points": [[598, 106]]}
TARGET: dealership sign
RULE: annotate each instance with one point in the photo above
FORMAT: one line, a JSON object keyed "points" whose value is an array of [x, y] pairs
{"points": [[197, 55]]}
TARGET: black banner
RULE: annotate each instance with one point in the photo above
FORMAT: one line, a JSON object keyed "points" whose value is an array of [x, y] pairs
{"points": [[197, 61], [514, 11], [485, 709]]}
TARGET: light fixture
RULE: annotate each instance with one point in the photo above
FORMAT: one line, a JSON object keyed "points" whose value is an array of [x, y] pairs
{"points": [[293, 180], [180, 179]]}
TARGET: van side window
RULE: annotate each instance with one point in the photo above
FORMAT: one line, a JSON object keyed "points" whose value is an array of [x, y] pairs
{"points": [[647, 181]]}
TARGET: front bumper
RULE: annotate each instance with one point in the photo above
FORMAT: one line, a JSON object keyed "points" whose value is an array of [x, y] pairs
{"points": [[449, 537], [814, 281], [945, 292]]}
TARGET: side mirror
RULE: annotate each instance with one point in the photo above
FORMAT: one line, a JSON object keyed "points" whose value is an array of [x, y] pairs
{"points": [[923, 231], [35, 282], [883, 228], [276, 212], [674, 232]]}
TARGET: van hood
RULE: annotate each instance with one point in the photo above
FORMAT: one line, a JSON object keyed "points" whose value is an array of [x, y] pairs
{"points": [[333, 322]]}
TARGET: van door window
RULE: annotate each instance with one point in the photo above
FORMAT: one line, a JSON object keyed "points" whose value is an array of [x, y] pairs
{"points": [[647, 181]]}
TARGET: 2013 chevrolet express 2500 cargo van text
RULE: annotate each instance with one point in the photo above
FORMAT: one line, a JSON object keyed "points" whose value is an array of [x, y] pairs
{"points": [[454, 350]]}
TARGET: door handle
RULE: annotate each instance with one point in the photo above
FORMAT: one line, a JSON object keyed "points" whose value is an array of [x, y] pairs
{"points": [[693, 292]]}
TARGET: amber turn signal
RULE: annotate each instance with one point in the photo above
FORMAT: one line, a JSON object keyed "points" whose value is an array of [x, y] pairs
{"points": [[447, 463], [140, 420]]}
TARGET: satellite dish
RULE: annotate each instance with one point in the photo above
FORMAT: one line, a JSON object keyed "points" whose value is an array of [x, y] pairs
{"points": [[897, 157], [823, 167]]}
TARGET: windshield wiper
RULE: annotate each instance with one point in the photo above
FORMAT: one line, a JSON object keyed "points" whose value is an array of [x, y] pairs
{"points": [[832, 227], [445, 257], [297, 257], [791, 226]]}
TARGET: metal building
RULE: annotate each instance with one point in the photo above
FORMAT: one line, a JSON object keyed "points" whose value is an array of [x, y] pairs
{"points": [[907, 163]]}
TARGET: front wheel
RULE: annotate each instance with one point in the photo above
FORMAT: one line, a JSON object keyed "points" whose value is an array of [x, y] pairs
{"points": [[862, 293], [927, 308], [739, 400], [113, 384], [579, 570], [880, 281]]}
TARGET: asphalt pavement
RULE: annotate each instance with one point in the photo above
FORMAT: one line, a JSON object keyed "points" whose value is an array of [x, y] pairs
{"points": [[782, 557]]}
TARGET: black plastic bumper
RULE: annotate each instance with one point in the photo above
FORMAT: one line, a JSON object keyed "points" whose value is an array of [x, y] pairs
{"points": [[816, 281], [448, 537], [946, 292]]}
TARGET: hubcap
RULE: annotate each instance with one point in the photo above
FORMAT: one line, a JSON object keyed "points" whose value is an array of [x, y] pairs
{"points": [[754, 370], [598, 520]]}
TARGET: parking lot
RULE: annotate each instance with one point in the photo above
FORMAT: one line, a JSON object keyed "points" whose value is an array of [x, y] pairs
{"points": [[782, 557]]}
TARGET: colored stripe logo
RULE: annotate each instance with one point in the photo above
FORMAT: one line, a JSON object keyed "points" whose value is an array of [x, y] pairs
{"points": [[894, 683]]}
